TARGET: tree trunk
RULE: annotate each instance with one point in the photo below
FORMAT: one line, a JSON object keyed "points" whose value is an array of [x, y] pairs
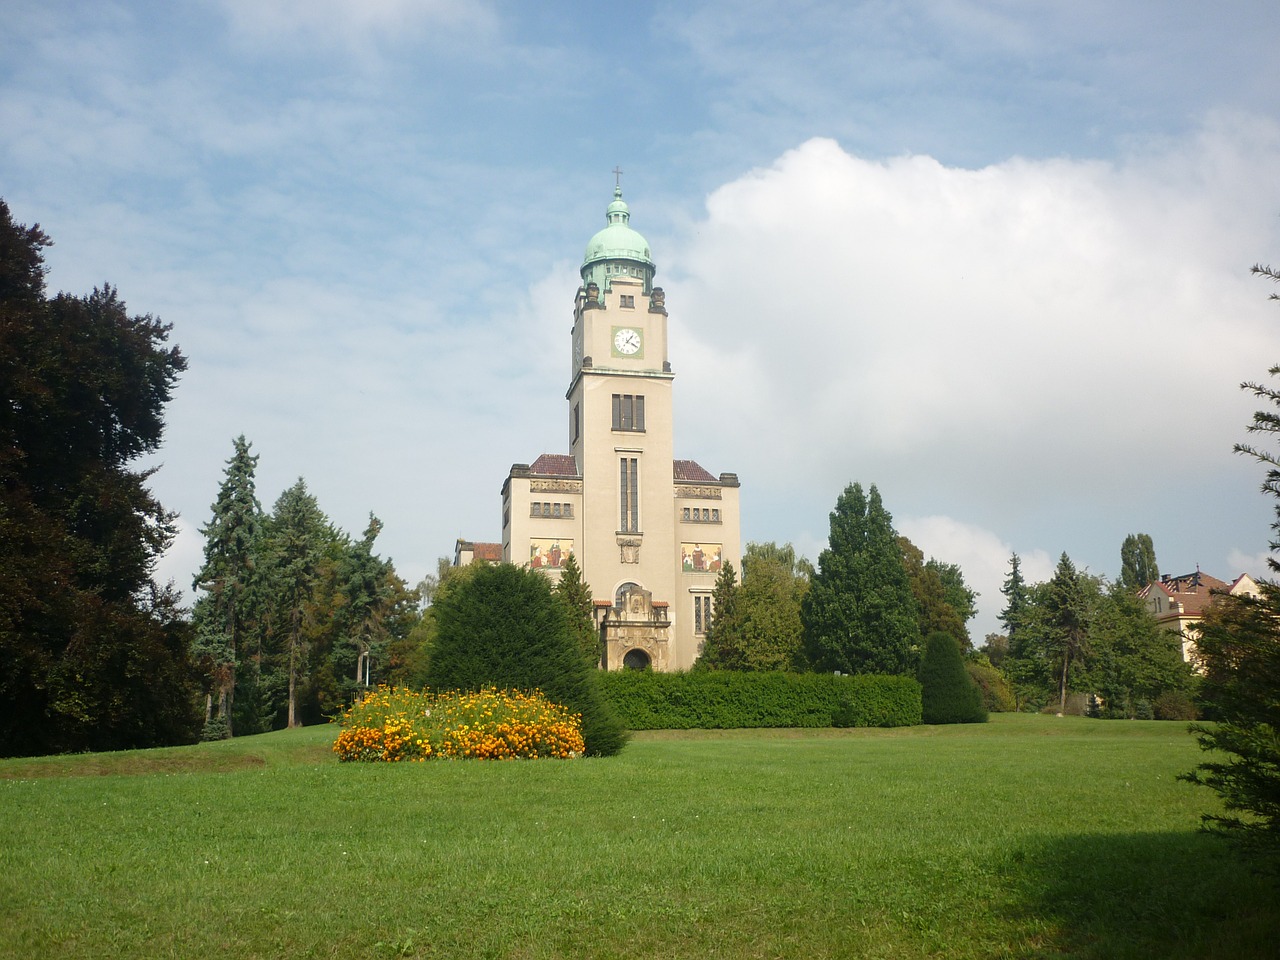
{"points": [[1062, 688], [293, 682]]}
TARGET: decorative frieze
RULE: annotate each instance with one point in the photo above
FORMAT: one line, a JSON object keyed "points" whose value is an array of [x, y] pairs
{"points": [[555, 486], [698, 493]]}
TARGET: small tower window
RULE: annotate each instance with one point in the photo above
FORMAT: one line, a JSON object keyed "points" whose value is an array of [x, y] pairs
{"points": [[627, 301]]}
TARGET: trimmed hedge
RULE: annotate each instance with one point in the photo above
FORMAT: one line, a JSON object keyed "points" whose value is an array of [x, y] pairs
{"points": [[730, 699]]}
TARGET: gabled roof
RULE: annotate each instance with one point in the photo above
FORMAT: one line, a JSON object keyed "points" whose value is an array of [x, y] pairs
{"points": [[688, 471], [1194, 591], [554, 465]]}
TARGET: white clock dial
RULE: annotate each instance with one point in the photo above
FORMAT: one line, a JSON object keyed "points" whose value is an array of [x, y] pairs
{"points": [[627, 341]]}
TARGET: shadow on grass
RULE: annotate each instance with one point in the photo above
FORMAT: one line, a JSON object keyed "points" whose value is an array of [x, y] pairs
{"points": [[1167, 895]]}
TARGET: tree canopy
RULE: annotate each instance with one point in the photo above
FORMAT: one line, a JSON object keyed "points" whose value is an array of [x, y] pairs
{"points": [[1138, 566], [501, 626], [860, 615], [92, 655]]}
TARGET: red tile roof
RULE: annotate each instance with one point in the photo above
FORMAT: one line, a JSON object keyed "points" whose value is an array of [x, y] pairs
{"points": [[688, 471], [491, 552], [555, 465], [1195, 591]]}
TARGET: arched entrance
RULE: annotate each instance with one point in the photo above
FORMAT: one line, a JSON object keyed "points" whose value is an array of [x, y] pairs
{"points": [[636, 660]]}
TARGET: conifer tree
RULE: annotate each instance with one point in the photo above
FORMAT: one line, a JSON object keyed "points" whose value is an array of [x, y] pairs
{"points": [[860, 615], [948, 694], [1066, 612], [297, 540], [1239, 648], [721, 649], [1016, 598], [501, 626], [576, 596], [369, 592], [222, 613]]}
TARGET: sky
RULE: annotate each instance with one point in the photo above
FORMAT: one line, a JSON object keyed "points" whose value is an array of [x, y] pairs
{"points": [[988, 255]]}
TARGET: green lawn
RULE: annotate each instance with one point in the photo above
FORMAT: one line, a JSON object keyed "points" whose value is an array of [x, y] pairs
{"points": [[1026, 837]]}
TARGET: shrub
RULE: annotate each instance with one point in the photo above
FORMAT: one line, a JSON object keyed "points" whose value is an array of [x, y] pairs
{"points": [[396, 724], [997, 692], [732, 699], [502, 627], [947, 693], [1175, 705]]}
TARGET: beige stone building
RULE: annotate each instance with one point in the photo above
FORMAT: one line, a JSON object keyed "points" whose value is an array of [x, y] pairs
{"points": [[1179, 603], [650, 532]]}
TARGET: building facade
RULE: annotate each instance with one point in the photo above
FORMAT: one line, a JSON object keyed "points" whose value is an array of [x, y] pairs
{"points": [[1179, 603], [650, 532]]}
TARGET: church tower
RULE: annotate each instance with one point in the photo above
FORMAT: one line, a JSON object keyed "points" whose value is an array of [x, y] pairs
{"points": [[650, 532]]}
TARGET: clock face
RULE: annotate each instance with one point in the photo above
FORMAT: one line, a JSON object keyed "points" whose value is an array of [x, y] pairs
{"points": [[627, 342]]}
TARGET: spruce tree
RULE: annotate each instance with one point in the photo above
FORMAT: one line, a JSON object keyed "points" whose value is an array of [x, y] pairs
{"points": [[859, 614], [298, 539], [575, 594], [721, 649], [501, 626], [1016, 598], [1066, 612], [226, 580], [948, 694]]}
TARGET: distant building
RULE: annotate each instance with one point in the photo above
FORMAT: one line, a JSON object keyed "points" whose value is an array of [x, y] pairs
{"points": [[650, 532], [1179, 603], [465, 553]]}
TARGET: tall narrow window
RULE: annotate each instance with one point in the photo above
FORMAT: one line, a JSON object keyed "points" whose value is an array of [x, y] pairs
{"points": [[575, 424], [628, 412], [629, 500], [701, 613]]}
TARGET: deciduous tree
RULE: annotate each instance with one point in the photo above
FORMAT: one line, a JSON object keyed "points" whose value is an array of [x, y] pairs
{"points": [[92, 656], [1138, 562]]}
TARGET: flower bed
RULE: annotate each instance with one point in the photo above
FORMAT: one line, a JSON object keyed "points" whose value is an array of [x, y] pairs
{"points": [[394, 723]]}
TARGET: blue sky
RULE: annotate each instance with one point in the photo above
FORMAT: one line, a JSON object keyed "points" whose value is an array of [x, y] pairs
{"points": [[990, 256]]}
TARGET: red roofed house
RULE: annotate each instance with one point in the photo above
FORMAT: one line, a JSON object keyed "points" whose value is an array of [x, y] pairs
{"points": [[1178, 603], [650, 532]]}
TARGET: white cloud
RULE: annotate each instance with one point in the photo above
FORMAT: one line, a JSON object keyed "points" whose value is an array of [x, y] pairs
{"points": [[984, 559], [1254, 564]]}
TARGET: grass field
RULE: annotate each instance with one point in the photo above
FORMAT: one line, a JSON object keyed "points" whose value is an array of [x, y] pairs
{"points": [[1026, 837]]}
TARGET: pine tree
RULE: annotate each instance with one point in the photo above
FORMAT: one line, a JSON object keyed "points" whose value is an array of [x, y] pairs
{"points": [[860, 615], [226, 579], [576, 596]]}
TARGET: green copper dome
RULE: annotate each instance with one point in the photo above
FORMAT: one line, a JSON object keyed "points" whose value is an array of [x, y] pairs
{"points": [[617, 250]]}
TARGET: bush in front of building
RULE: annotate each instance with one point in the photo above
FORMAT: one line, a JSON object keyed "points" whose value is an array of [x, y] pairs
{"points": [[718, 700], [502, 627]]}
